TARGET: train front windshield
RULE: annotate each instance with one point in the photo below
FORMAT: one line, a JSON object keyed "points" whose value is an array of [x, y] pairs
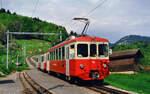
{"points": [[95, 50], [103, 50], [82, 50]]}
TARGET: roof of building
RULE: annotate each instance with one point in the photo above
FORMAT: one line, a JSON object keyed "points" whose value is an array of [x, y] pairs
{"points": [[126, 53]]}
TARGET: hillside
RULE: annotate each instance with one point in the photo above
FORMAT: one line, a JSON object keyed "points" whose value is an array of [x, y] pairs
{"points": [[35, 44], [132, 39], [17, 23]]}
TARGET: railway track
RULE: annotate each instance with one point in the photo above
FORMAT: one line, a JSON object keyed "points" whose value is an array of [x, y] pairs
{"points": [[31, 62], [107, 90], [30, 86]]}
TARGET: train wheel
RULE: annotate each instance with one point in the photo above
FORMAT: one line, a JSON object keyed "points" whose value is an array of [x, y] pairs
{"points": [[73, 80], [68, 78], [100, 82]]}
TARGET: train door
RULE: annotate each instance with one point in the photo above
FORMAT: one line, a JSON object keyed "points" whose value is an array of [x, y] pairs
{"points": [[42, 62], [37, 62], [48, 62], [67, 60]]}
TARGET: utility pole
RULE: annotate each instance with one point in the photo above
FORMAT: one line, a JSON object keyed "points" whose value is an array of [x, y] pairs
{"points": [[7, 49], [24, 51], [17, 58]]}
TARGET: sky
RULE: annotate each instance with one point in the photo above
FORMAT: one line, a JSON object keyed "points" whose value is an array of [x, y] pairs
{"points": [[113, 20]]}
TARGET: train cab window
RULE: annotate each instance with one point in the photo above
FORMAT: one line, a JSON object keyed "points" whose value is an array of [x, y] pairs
{"points": [[103, 49], [93, 50], [63, 52], [82, 50]]}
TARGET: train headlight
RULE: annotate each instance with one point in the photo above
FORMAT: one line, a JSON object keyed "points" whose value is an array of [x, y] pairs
{"points": [[104, 65], [81, 66]]}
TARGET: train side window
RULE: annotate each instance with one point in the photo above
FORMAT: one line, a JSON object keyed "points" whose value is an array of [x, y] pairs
{"points": [[60, 53], [56, 54], [52, 55], [82, 50], [72, 51], [72, 46], [37, 59], [63, 52], [48, 56], [42, 58]]}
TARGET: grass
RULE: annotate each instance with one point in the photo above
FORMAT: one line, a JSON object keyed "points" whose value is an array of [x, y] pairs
{"points": [[32, 47], [139, 83]]}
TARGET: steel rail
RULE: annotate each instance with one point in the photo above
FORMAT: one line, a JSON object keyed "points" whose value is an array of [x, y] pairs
{"points": [[32, 87], [106, 90]]}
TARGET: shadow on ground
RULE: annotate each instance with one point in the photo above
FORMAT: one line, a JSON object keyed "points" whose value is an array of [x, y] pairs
{"points": [[6, 81]]}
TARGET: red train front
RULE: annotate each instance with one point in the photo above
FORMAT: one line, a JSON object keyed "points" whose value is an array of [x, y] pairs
{"points": [[83, 57]]}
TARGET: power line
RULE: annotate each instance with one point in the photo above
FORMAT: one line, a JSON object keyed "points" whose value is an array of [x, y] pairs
{"points": [[100, 4], [34, 10]]}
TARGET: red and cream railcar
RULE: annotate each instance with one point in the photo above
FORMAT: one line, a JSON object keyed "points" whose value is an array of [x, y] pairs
{"points": [[83, 57]]}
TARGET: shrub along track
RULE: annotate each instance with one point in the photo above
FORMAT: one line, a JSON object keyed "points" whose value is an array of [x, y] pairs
{"points": [[30, 86]]}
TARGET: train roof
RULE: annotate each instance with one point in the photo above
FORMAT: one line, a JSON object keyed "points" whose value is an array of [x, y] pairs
{"points": [[83, 38]]}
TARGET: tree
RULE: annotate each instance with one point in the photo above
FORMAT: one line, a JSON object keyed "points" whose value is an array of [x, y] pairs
{"points": [[8, 12], [14, 13], [2, 10], [2, 33]]}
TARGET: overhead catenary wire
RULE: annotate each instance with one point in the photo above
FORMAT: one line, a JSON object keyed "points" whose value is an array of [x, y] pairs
{"points": [[35, 7], [99, 5]]}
